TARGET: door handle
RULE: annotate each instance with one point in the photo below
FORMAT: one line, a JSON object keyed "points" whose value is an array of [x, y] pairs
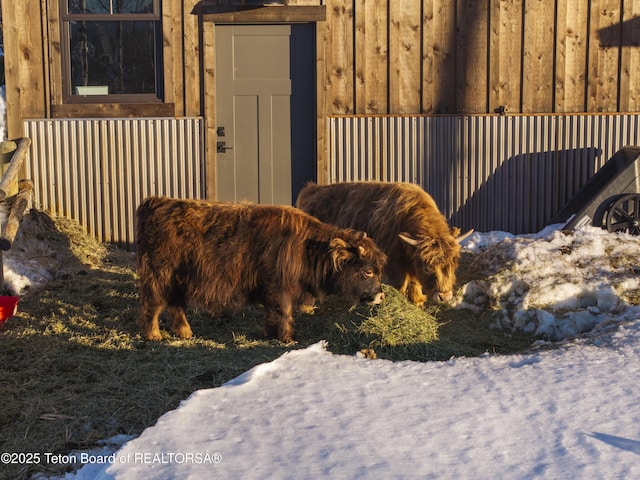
{"points": [[221, 147]]}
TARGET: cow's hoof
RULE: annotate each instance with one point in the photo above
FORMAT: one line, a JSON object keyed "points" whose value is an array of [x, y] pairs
{"points": [[183, 332], [154, 336], [286, 337]]}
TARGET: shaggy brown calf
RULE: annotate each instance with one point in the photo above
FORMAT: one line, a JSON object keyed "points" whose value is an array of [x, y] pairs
{"points": [[224, 256], [405, 223]]}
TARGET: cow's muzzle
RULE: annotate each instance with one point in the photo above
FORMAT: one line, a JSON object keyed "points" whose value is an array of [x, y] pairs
{"points": [[375, 298], [443, 297]]}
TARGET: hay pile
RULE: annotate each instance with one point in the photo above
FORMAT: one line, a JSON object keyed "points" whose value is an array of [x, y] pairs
{"points": [[396, 329], [44, 250]]}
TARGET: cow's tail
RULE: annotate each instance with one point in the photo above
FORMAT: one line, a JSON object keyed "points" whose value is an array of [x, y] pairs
{"points": [[144, 213]]}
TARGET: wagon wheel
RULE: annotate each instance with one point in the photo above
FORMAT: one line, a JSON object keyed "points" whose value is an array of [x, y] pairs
{"points": [[624, 215], [601, 213]]}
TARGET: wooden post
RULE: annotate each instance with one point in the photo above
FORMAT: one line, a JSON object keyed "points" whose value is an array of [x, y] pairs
{"points": [[7, 180], [11, 174], [21, 204]]}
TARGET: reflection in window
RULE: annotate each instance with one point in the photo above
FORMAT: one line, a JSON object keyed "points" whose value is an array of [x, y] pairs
{"points": [[112, 48], [110, 6], [116, 57]]}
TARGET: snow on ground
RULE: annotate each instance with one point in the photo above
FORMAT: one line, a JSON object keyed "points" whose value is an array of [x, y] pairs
{"points": [[24, 264], [567, 413], [572, 411], [556, 284]]}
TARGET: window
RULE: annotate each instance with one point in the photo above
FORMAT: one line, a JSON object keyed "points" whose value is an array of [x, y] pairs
{"points": [[112, 51]]}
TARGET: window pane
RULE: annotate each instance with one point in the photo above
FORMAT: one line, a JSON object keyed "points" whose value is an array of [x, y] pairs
{"points": [[117, 57], [110, 6]]}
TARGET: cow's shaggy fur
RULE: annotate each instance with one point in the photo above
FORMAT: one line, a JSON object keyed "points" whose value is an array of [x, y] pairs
{"points": [[406, 224], [224, 256]]}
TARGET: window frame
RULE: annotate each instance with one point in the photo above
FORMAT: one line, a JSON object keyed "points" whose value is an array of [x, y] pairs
{"points": [[67, 18]]}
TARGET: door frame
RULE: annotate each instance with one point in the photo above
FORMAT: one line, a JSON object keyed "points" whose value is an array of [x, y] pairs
{"points": [[208, 17]]}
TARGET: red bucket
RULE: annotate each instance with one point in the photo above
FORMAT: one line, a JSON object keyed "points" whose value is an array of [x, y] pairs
{"points": [[8, 307]]}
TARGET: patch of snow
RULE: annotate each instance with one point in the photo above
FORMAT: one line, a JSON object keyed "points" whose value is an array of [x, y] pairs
{"points": [[571, 412], [555, 284], [23, 267]]}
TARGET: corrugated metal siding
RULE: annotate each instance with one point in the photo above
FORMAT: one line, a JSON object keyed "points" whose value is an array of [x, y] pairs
{"points": [[98, 171], [510, 173]]}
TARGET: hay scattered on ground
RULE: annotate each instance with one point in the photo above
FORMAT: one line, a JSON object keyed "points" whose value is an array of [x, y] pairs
{"points": [[75, 370]]}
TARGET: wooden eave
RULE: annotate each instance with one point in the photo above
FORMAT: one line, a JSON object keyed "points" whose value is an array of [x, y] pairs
{"points": [[261, 14]]}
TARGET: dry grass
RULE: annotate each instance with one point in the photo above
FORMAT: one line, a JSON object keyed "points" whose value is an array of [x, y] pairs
{"points": [[74, 369]]}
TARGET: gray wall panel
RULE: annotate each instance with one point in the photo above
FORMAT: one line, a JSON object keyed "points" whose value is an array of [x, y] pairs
{"points": [[98, 171], [487, 172]]}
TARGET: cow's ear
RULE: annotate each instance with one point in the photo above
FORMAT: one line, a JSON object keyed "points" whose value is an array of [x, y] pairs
{"points": [[339, 251], [406, 238]]}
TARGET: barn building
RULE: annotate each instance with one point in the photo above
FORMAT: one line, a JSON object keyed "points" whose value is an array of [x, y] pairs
{"points": [[501, 109]]}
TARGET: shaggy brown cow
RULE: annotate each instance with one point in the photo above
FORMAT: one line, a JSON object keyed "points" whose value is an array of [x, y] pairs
{"points": [[405, 223], [224, 256]]}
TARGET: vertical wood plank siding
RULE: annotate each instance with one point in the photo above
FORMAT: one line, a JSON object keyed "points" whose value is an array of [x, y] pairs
{"points": [[98, 171], [487, 172], [473, 56]]}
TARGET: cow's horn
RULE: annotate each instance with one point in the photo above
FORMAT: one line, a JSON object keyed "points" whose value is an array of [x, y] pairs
{"points": [[463, 236], [409, 240]]}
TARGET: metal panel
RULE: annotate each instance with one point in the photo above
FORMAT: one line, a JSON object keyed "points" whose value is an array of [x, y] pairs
{"points": [[97, 171], [487, 172]]}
